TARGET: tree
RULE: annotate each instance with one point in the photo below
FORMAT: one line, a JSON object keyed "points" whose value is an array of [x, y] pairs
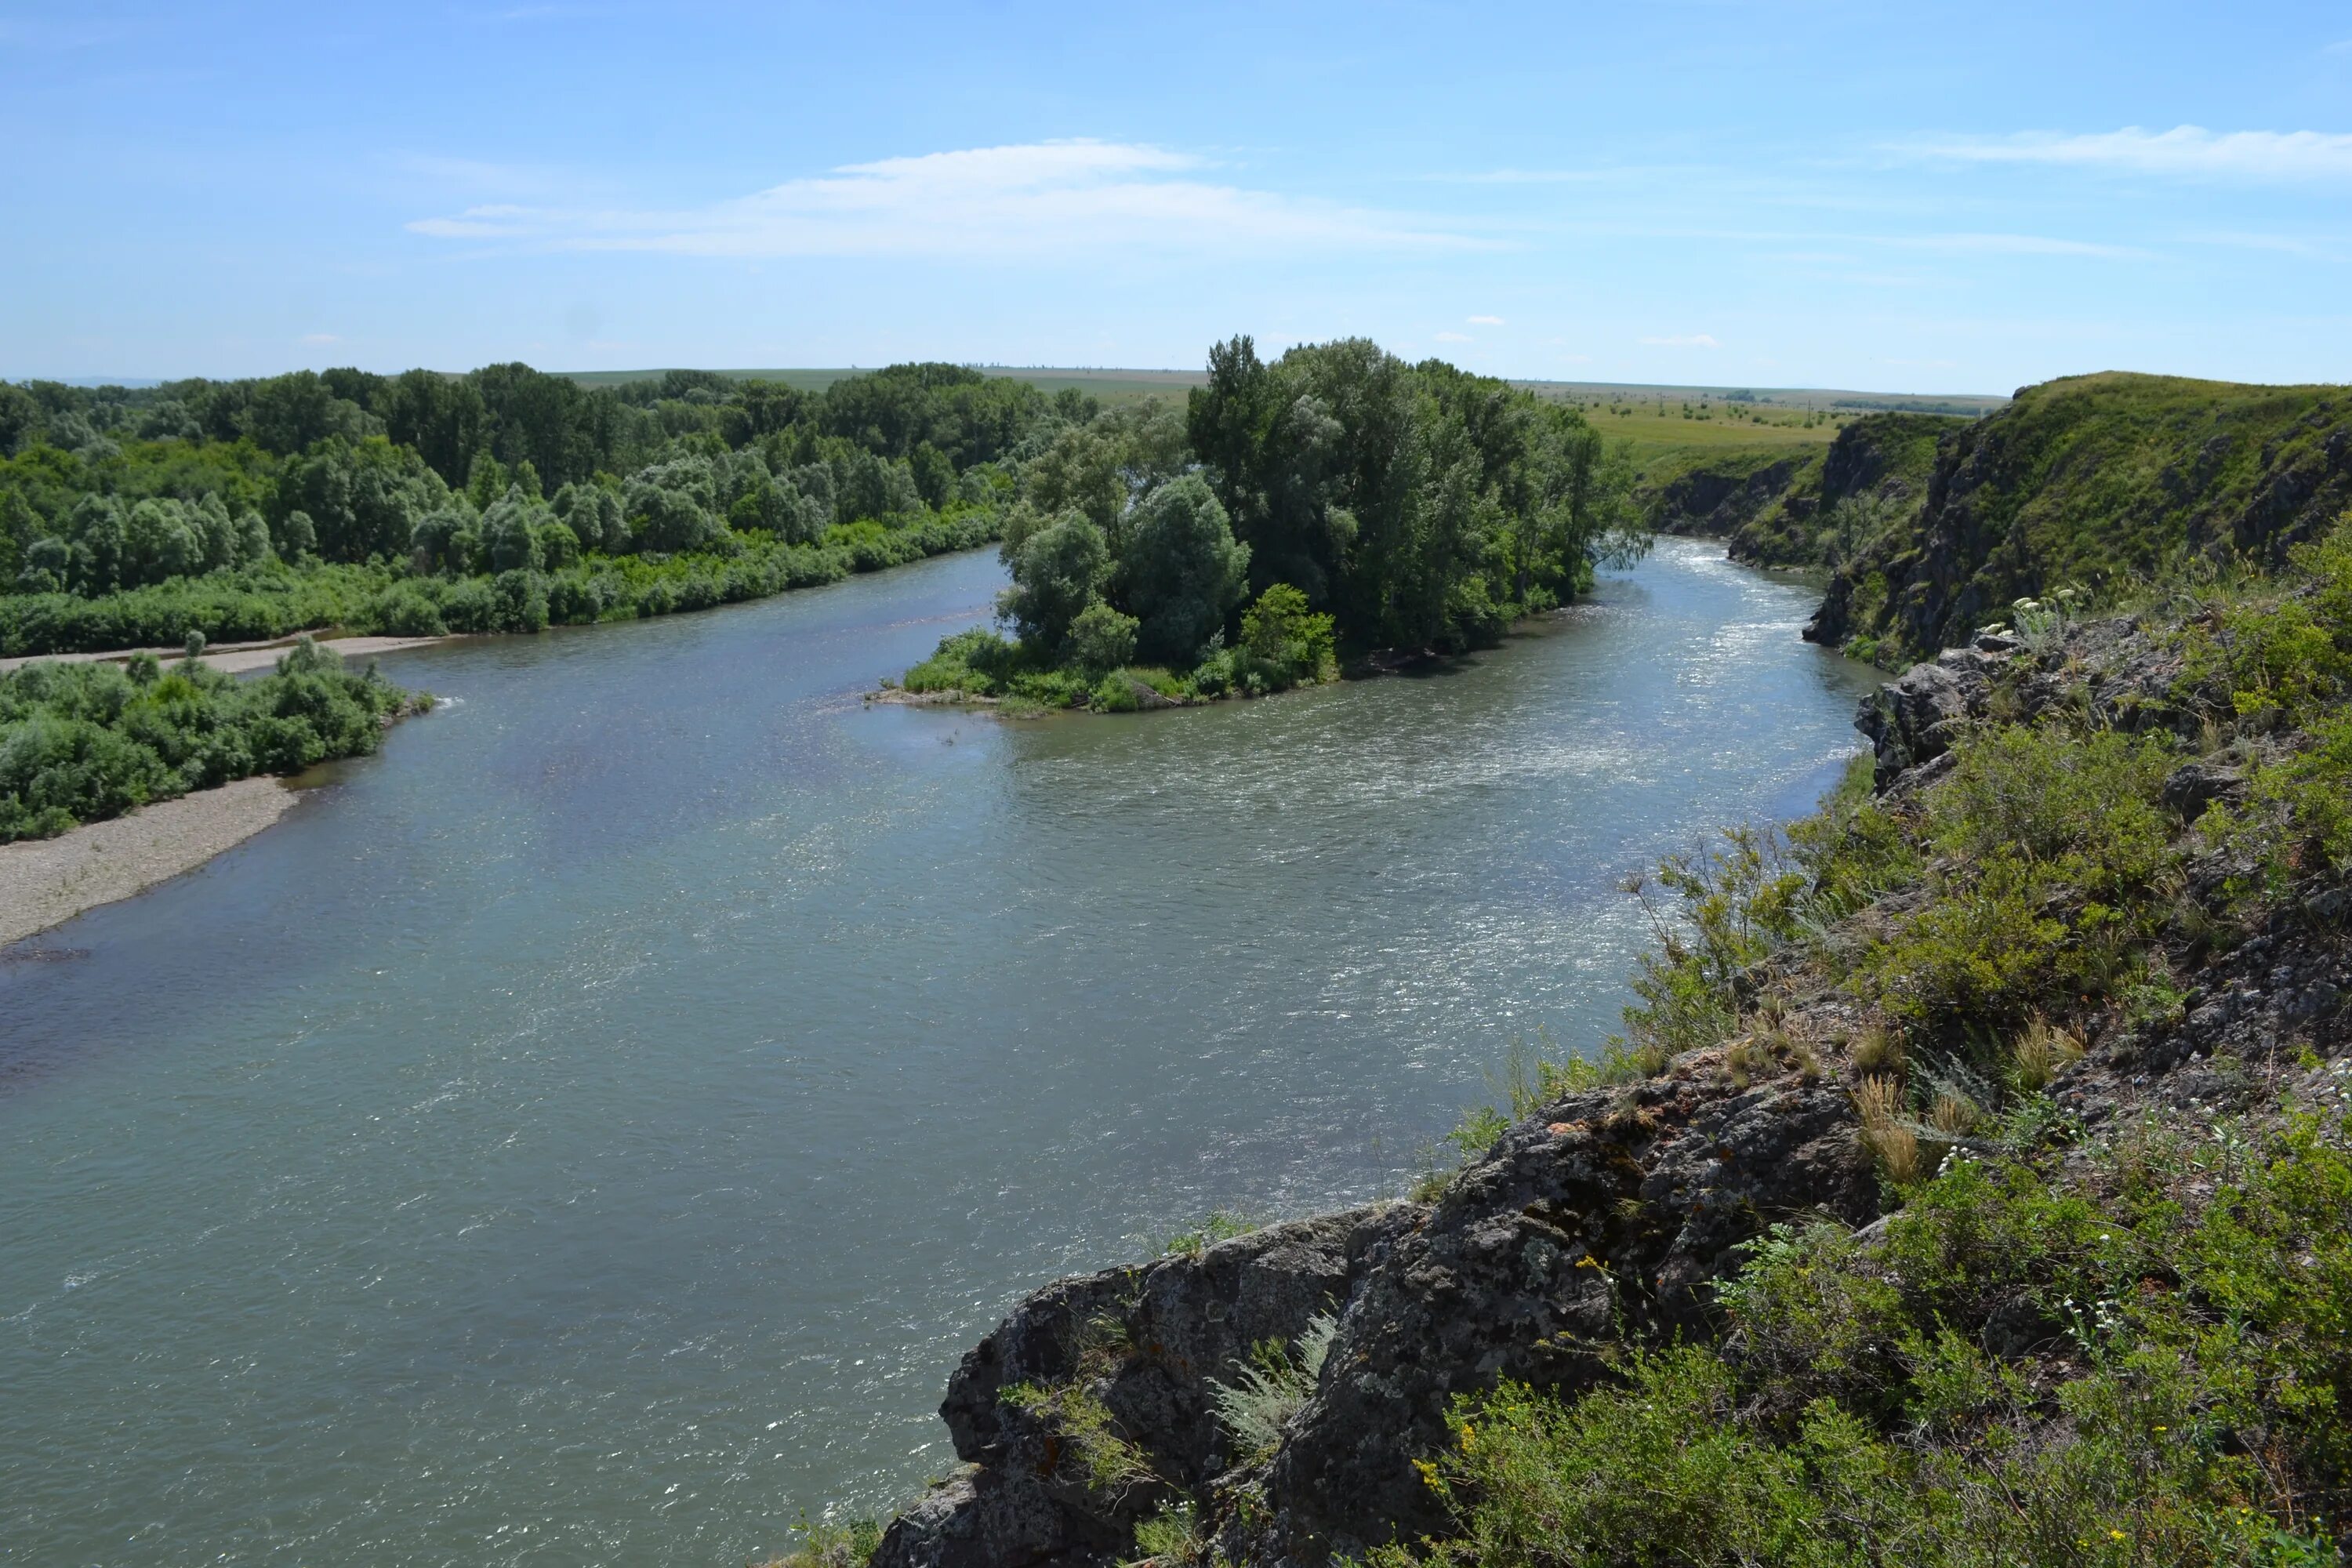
{"points": [[1182, 572], [1280, 629], [673, 506], [362, 498], [1100, 639], [1080, 472], [509, 533], [291, 413], [1056, 574]]}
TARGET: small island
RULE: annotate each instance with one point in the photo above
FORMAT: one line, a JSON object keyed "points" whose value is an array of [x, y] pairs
{"points": [[1337, 503]]}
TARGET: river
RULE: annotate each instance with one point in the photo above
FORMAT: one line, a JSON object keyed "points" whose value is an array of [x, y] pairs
{"points": [[590, 1131]]}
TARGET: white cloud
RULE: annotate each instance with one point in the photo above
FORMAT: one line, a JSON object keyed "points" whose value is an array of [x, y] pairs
{"points": [[1041, 199], [2007, 244], [1485, 320], [1685, 341], [2185, 149], [1452, 336]]}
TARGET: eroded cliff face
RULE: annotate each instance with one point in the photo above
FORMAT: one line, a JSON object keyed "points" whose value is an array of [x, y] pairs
{"points": [[2094, 480], [1714, 502], [1609, 1218]]}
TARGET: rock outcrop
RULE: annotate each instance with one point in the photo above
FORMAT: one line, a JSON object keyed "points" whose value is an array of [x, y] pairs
{"points": [[1611, 1213], [2092, 480], [1714, 501]]}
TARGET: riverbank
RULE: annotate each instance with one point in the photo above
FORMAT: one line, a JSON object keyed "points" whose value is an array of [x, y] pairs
{"points": [[44, 882], [473, 957]]}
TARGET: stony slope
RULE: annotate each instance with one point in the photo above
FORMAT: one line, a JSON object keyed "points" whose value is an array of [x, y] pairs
{"points": [[1611, 1216]]}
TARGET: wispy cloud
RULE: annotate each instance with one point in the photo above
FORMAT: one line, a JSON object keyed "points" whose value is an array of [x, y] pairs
{"points": [[1452, 337], [2006, 245], [1683, 341], [1485, 320], [1046, 198], [2183, 151]]}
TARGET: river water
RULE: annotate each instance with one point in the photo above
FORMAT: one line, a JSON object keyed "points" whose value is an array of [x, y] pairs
{"points": [[590, 1131]]}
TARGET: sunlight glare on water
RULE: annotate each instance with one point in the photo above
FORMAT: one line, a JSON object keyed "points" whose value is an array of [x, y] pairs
{"points": [[591, 1130]]}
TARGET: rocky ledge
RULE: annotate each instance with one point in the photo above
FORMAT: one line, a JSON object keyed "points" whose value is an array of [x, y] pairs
{"points": [[1610, 1213]]}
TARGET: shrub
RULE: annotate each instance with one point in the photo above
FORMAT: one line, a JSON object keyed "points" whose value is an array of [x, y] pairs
{"points": [[1101, 639], [1294, 643], [1109, 1464], [1272, 1388], [1854, 1413], [83, 741]]}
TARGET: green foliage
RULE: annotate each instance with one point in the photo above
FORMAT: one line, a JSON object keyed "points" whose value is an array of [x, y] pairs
{"points": [[2112, 482], [1863, 1408], [2053, 849], [83, 741], [1184, 574], [2283, 661], [1284, 637], [1843, 505], [1057, 572], [1101, 639], [129, 516], [1362, 498], [1419, 505], [1109, 1464], [1172, 1538], [1737, 903], [825, 1544], [1271, 1388], [1221, 1226]]}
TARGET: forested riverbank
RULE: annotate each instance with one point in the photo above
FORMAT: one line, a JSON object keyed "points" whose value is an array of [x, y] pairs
{"points": [[503, 501]]}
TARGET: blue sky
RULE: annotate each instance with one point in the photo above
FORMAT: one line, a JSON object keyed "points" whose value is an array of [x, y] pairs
{"points": [[1912, 196]]}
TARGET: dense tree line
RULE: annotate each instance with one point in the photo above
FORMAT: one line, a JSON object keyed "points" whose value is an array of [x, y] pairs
{"points": [[395, 502], [1338, 499], [1335, 498]]}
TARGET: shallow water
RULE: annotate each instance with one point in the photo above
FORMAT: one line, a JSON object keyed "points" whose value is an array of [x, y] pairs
{"points": [[591, 1130]]}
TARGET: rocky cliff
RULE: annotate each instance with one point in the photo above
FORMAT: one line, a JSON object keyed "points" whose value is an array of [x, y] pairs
{"points": [[2103, 481], [1786, 509], [1612, 1216]]}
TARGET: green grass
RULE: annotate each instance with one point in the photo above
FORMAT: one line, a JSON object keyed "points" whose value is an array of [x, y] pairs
{"points": [[2168, 1385]]}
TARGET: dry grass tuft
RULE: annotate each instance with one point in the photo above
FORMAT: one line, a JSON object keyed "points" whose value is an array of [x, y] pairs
{"points": [[1891, 1144], [2038, 1053], [1874, 1049]]}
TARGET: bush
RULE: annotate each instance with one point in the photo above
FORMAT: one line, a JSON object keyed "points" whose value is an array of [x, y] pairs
{"points": [[978, 661], [1854, 1414], [1289, 639], [1101, 639], [79, 743]]}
